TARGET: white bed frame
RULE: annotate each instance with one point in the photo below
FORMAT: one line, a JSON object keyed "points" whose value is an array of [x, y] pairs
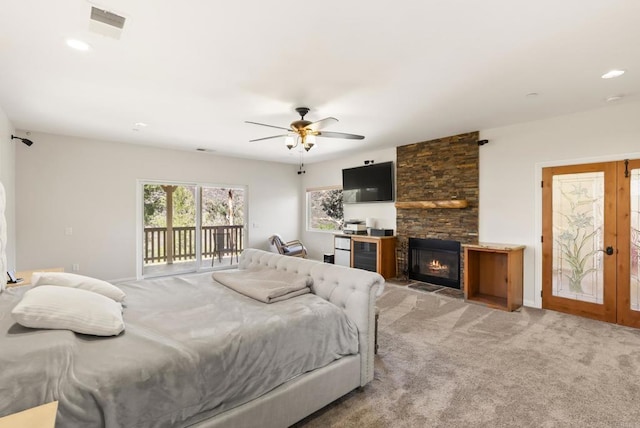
{"points": [[353, 290]]}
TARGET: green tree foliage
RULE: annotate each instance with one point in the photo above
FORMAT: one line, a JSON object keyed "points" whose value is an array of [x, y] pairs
{"points": [[155, 206], [221, 206], [332, 205], [155, 203], [326, 209], [184, 206]]}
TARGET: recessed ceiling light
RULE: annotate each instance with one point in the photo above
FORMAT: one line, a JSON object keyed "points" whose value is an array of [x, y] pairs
{"points": [[532, 95], [613, 73], [78, 45], [141, 124], [614, 98]]}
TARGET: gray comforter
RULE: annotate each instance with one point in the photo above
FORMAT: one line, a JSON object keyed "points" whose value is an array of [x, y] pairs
{"points": [[192, 348]]}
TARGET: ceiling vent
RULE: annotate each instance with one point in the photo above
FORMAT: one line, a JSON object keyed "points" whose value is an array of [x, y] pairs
{"points": [[106, 23]]}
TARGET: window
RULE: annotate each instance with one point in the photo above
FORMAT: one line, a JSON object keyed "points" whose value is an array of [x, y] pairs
{"points": [[324, 209], [188, 227]]}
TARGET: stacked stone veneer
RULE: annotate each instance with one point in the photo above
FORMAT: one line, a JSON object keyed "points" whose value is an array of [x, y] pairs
{"points": [[442, 169]]}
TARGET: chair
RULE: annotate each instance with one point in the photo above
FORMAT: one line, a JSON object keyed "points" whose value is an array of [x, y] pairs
{"points": [[224, 243], [291, 248]]}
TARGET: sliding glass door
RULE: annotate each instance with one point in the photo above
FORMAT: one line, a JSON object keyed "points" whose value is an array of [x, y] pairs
{"points": [[188, 227]]}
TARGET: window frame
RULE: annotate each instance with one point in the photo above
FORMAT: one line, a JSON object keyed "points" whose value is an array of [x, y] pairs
{"points": [[140, 183]]}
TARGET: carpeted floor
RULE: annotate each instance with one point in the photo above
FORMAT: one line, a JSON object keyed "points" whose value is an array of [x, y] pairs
{"points": [[446, 363], [431, 288]]}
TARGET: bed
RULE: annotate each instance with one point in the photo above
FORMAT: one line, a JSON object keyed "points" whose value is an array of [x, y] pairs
{"points": [[196, 353]]}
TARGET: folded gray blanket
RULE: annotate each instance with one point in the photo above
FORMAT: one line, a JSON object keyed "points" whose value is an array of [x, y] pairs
{"points": [[265, 285]]}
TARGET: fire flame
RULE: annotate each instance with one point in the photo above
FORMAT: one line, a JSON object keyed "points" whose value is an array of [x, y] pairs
{"points": [[435, 265]]}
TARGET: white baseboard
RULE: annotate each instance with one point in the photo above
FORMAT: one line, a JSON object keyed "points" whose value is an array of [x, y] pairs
{"points": [[116, 281]]}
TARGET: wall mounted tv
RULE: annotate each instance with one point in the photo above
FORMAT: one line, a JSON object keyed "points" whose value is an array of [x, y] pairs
{"points": [[369, 183]]}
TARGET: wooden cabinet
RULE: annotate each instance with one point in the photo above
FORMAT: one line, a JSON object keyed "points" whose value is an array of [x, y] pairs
{"points": [[36, 417], [374, 253], [493, 275]]}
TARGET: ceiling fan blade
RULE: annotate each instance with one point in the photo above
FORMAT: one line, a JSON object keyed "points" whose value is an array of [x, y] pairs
{"points": [[270, 126], [319, 124], [268, 138], [340, 135]]}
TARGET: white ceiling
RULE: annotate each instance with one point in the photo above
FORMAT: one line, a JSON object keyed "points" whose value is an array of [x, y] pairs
{"points": [[397, 72]]}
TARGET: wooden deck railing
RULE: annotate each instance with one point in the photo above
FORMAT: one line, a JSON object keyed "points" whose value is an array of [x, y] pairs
{"points": [[217, 241]]}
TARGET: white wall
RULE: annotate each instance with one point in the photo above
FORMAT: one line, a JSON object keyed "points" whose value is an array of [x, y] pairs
{"points": [[330, 174], [510, 172], [7, 177], [90, 186]]}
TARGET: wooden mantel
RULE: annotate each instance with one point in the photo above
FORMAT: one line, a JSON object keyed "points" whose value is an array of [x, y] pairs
{"points": [[447, 204]]}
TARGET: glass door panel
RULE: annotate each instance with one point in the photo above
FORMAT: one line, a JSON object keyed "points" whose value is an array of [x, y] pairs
{"points": [[634, 250], [223, 220], [628, 294], [169, 237], [578, 222]]}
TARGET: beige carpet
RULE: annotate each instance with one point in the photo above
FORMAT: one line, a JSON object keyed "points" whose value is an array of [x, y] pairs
{"points": [[446, 363]]}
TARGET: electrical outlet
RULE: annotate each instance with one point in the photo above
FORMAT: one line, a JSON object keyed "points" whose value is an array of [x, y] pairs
{"points": [[75, 267], [68, 231]]}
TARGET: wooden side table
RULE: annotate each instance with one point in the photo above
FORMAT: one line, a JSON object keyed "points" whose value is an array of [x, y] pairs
{"points": [[36, 417], [26, 275], [493, 275]]}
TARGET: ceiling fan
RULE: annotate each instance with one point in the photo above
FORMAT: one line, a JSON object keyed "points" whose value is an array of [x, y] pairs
{"points": [[303, 131]]}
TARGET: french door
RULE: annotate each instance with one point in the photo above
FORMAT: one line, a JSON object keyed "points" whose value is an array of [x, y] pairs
{"points": [[628, 296], [591, 238]]}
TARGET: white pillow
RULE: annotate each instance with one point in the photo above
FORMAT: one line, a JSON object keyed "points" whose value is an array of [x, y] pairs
{"points": [[65, 308], [64, 279]]}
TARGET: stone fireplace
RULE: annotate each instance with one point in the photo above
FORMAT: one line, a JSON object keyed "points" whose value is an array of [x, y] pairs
{"points": [[437, 194]]}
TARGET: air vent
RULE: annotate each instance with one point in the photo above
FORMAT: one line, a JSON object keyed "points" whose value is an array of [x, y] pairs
{"points": [[106, 23], [107, 17]]}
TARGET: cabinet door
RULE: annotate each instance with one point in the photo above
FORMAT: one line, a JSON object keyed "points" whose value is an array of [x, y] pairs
{"points": [[342, 257], [365, 255], [342, 243]]}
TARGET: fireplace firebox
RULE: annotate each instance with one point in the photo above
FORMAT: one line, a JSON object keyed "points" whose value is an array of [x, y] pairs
{"points": [[435, 261]]}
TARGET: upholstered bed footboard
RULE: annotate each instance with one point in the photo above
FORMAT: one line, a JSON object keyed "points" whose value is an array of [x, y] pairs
{"points": [[292, 401], [353, 290]]}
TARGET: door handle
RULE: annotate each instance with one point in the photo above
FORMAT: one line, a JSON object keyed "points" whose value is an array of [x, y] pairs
{"points": [[609, 251]]}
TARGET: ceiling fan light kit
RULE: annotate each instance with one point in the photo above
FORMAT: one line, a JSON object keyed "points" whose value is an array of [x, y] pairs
{"points": [[304, 132], [289, 142]]}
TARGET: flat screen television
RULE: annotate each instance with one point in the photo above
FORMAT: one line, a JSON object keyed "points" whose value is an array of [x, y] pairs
{"points": [[369, 183]]}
